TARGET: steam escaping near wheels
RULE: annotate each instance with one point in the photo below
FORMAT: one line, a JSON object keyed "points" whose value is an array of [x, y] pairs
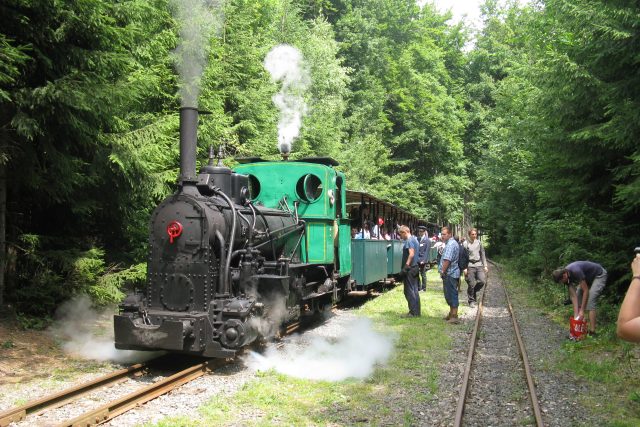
{"points": [[88, 333], [354, 352]]}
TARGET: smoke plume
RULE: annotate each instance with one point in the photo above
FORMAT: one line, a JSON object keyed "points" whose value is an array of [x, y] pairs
{"points": [[285, 63], [353, 355], [88, 333], [198, 21]]}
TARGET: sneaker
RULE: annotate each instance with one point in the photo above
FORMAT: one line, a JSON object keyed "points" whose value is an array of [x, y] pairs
{"points": [[447, 317], [453, 320], [472, 304]]}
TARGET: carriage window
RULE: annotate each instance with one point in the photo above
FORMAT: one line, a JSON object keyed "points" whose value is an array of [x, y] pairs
{"points": [[309, 188]]}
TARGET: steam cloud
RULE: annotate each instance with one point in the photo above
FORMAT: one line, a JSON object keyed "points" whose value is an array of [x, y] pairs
{"points": [[285, 63], [353, 355], [88, 333], [198, 20]]}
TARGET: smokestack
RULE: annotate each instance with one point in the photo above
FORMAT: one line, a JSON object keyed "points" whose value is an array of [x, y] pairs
{"points": [[188, 144]]}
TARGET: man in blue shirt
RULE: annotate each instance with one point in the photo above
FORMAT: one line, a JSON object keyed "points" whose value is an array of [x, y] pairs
{"points": [[586, 281], [450, 273], [410, 270]]}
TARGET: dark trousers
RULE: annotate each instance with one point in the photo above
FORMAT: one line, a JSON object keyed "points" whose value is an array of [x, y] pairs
{"points": [[450, 291], [475, 281], [423, 278], [411, 291]]}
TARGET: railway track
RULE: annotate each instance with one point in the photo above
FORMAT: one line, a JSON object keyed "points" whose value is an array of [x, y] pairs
{"points": [[113, 408], [119, 406], [494, 375], [138, 397]]}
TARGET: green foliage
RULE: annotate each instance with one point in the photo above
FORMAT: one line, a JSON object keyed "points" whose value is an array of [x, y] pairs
{"points": [[27, 321], [405, 119], [547, 104], [108, 287], [47, 277]]}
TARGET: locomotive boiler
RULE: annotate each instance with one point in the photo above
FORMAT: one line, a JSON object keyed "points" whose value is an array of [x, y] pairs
{"points": [[219, 270]]}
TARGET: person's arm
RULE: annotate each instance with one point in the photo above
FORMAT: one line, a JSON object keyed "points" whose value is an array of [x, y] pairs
{"points": [[629, 316], [410, 258], [574, 300], [466, 246], [585, 298], [484, 259], [445, 267]]}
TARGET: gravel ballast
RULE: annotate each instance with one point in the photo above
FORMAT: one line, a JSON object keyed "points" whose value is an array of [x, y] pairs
{"points": [[498, 394]]}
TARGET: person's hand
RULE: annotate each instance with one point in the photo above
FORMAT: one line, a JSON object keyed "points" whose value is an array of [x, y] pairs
{"points": [[406, 269], [580, 315], [635, 266], [465, 272], [486, 269]]}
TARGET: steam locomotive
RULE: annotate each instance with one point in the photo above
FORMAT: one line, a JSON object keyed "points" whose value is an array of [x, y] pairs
{"points": [[234, 255]]}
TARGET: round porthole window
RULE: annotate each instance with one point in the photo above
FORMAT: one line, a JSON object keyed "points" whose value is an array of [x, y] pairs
{"points": [[254, 187], [309, 188]]}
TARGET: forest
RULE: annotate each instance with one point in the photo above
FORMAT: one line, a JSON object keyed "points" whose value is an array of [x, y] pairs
{"points": [[527, 129]]}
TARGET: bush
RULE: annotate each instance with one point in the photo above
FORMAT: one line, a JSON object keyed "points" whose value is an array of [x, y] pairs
{"points": [[44, 278]]}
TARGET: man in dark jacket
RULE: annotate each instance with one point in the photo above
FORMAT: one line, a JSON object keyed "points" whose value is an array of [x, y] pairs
{"points": [[410, 270], [423, 255]]}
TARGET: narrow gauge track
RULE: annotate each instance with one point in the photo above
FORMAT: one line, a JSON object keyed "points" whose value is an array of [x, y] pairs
{"points": [[117, 407], [496, 370], [66, 396], [114, 408]]}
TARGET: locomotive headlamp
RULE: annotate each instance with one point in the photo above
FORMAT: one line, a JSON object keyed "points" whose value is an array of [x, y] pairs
{"points": [[174, 229]]}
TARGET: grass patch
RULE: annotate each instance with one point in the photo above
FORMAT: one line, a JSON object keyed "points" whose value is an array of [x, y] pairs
{"points": [[603, 362], [388, 397]]}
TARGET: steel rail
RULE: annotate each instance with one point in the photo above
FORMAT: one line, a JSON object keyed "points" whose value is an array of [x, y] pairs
{"points": [[138, 397], [63, 397], [525, 360], [523, 355], [464, 388]]}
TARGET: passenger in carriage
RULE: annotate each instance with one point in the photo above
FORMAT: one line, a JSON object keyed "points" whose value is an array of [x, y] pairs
{"points": [[366, 231], [363, 233], [376, 230], [395, 234]]}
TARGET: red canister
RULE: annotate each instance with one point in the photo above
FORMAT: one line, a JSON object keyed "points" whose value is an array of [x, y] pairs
{"points": [[577, 328]]}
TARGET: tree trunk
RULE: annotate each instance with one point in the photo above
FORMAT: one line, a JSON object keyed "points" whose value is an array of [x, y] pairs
{"points": [[3, 241]]}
